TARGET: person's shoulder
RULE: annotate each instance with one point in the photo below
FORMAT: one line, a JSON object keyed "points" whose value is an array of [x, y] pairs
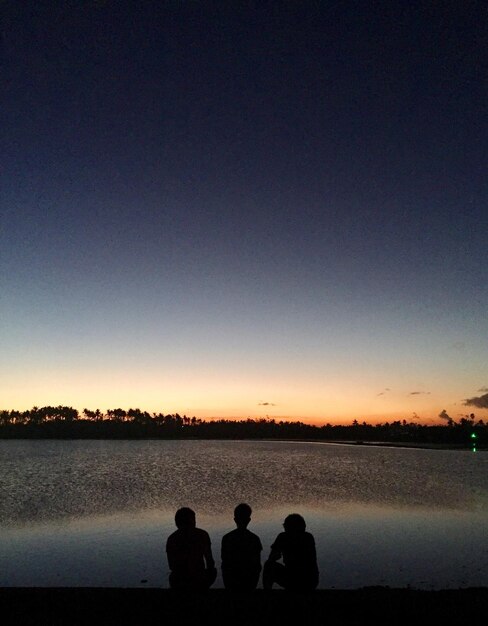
{"points": [[202, 534], [252, 535], [309, 537], [230, 535], [172, 538], [280, 538], [255, 539]]}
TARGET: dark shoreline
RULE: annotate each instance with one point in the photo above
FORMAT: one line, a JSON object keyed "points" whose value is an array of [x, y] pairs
{"points": [[406, 444], [340, 442], [141, 607], [66, 423]]}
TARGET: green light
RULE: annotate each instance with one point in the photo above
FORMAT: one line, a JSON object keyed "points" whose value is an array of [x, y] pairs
{"points": [[474, 449], [473, 435]]}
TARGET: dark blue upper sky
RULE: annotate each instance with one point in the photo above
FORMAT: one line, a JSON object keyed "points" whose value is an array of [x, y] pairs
{"points": [[317, 167]]}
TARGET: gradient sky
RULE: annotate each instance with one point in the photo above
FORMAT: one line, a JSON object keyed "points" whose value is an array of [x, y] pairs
{"points": [[245, 208]]}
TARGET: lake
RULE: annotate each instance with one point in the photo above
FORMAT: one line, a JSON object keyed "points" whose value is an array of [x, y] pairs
{"points": [[97, 513]]}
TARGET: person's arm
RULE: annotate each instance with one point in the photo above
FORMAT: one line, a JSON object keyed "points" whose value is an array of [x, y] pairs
{"points": [[257, 554], [312, 552], [276, 552], [171, 556], [207, 554], [315, 565], [223, 550]]}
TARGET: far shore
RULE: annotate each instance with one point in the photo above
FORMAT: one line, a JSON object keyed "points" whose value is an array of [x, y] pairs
{"points": [[405, 444], [340, 442], [355, 442], [64, 422]]}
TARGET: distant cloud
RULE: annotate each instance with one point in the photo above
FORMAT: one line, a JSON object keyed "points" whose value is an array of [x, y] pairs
{"points": [[480, 402], [445, 416], [415, 416], [382, 393], [483, 389], [419, 393], [266, 404]]}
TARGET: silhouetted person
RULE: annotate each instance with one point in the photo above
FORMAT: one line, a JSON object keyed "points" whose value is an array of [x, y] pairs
{"points": [[241, 553], [190, 554], [299, 570]]}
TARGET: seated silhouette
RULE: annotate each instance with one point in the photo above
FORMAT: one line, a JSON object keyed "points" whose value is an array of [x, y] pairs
{"points": [[190, 554], [299, 570], [241, 553]]}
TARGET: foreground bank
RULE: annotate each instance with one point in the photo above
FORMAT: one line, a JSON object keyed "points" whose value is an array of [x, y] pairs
{"points": [[141, 607]]}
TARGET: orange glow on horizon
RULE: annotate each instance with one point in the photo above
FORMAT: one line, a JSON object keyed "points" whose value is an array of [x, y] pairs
{"points": [[221, 395]]}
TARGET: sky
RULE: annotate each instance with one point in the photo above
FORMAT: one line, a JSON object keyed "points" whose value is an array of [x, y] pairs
{"points": [[245, 209]]}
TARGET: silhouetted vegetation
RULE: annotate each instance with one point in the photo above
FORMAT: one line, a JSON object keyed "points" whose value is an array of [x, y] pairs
{"points": [[64, 422]]}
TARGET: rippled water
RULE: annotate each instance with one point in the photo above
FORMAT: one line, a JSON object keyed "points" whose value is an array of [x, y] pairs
{"points": [[98, 512]]}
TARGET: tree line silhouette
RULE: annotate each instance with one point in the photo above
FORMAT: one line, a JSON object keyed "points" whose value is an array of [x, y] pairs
{"points": [[63, 422]]}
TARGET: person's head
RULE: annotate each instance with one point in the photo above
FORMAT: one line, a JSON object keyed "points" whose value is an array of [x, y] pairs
{"points": [[185, 518], [242, 515], [294, 523]]}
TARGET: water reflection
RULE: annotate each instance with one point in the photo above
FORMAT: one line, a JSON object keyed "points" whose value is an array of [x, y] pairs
{"points": [[99, 513], [356, 546]]}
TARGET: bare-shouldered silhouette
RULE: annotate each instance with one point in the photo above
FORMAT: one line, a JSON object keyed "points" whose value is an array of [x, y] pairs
{"points": [[190, 554], [299, 570], [241, 553]]}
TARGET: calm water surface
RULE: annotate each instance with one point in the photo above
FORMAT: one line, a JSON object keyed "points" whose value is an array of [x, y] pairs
{"points": [[97, 513]]}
